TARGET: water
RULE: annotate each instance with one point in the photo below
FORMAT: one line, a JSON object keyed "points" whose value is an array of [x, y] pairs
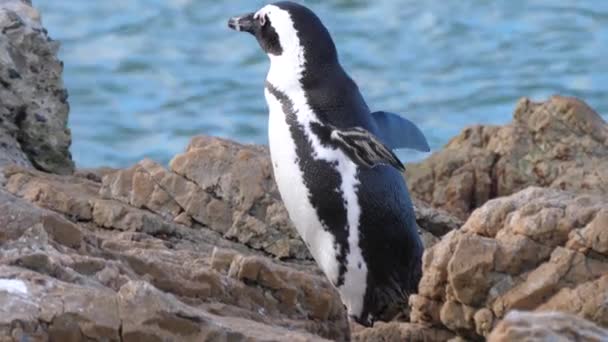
{"points": [[146, 75]]}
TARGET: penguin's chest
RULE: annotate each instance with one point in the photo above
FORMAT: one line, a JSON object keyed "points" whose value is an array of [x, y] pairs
{"points": [[318, 185], [296, 192]]}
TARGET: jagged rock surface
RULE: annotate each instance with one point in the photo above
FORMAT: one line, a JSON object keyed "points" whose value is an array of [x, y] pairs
{"points": [[33, 100], [561, 143], [397, 331], [192, 250], [74, 266], [539, 249], [228, 187], [546, 326]]}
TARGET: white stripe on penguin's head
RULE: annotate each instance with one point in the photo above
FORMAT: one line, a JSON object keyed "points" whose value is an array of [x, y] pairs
{"points": [[280, 20], [292, 36]]}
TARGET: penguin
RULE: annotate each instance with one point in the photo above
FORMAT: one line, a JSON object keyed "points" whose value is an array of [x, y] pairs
{"points": [[334, 164]]}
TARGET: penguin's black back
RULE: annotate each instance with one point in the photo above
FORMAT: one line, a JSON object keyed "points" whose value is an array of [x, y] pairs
{"points": [[389, 241]]}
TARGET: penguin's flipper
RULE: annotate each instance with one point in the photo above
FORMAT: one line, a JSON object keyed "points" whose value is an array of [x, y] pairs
{"points": [[364, 148], [399, 132]]}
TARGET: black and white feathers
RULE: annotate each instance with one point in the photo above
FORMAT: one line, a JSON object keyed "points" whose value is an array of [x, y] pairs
{"points": [[361, 146], [333, 164]]}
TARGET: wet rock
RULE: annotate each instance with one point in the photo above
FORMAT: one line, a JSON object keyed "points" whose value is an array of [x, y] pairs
{"points": [[539, 249], [33, 100], [546, 326], [560, 143]]}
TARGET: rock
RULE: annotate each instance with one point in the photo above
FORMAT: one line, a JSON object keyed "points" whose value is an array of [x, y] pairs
{"points": [[167, 319], [582, 300], [245, 210], [102, 269], [70, 196], [546, 326], [539, 249], [560, 143], [396, 332], [37, 307], [435, 221], [227, 187], [196, 248], [155, 249], [33, 100]]}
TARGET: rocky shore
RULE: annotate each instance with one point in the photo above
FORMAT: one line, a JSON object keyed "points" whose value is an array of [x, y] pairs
{"points": [[514, 218]]}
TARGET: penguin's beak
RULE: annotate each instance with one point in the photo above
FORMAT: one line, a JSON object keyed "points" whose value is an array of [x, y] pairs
{"points": [[243, 23]]}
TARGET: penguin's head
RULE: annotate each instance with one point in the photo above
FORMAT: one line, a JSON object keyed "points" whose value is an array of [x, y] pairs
{"points": [[288, 31]]}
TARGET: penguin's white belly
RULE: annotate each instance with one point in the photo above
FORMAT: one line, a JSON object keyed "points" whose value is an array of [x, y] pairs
{"points": [[295, 194]]}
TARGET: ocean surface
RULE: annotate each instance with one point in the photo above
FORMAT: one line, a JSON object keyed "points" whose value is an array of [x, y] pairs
{"points": [[144, 76]]}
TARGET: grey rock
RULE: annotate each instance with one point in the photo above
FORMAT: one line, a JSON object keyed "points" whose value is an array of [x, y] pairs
{"points": [[33, 101]]}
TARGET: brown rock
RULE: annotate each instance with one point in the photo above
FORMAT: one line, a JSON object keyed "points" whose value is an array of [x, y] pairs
{"points": [[435, 263], [528, 251], [67, 195], [72, 312], [546, 326], [218, 184], [564, 267], [560, 143], [586, 300], [167, 319], [227, 187], [435, 221], [458, 317], [221, 259], [535, 249], [396, 332], [592, 238], [133, 271], [136, 187], [36, 307], [471, 262], [484, 322], [63, 231], [424, 309]]}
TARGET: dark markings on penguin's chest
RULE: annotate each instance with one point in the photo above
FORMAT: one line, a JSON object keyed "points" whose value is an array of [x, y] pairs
{"points": [[322, 180]]}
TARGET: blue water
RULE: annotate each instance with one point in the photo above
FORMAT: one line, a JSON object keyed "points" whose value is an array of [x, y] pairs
{"points": [[146, 75]]}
